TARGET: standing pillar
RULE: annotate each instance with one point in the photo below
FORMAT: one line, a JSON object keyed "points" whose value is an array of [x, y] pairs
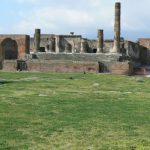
{"points": [[100, 41], [57, 45], [37, 39], [52, 45], [83, 46], [117, 27]]}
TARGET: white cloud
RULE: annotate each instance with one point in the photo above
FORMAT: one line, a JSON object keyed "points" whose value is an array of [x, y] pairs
{"points": [[62, 20], [82, 16]]}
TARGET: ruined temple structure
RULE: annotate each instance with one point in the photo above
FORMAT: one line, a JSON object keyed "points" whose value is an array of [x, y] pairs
{"points": [[74, 53]]}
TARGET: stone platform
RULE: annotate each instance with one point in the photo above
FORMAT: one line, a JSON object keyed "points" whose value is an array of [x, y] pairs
{"points": [[88, 57], [48, 62]]}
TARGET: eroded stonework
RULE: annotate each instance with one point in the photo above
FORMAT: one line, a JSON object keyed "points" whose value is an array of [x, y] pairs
{"points": [[144, 42], [14, 46], [74, 53]]}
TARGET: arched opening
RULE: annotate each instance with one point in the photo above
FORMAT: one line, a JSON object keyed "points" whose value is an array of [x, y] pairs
{"points": [[94, 50], [10, 49]]}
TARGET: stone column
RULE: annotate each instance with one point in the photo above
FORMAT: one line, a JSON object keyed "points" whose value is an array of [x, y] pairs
{"points": [[37, 39], [117, 27], [57, 48], [83, 45], [100, 41], [52, 45]]}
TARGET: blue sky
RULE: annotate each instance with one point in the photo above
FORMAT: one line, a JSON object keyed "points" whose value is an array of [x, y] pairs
{"points": [[81, 16]]}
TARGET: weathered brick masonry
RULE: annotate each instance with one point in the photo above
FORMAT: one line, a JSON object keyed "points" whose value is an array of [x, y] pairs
{"points": [[73, 53], [22, 44], [53, 66]]}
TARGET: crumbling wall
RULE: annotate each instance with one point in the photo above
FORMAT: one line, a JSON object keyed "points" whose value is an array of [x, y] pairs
{"points": [[144, 42], [137, 53], [73, 40], [45, 42], [64, 40], [23, 42]]}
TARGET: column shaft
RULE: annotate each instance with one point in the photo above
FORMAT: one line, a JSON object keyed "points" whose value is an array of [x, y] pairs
{"points": [[117, 28], [100, 41], [57, 44], [37, 39], [84, 46]]}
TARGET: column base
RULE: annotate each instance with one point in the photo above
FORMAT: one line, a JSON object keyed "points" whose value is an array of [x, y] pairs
{"points": [[114, 50], [99, 50]]}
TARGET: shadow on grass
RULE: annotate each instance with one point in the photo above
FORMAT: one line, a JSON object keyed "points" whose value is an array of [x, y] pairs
{"points": [[5, 82]]}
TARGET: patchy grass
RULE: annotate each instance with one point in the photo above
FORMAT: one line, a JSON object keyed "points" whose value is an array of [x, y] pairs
{"points": [[74, 112]]}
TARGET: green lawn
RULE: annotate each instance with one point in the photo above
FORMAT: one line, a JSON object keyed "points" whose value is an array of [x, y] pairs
{"points": [[52, 111]]}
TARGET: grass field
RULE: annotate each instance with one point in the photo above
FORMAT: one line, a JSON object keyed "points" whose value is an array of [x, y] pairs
{"points": [[51, 111]]}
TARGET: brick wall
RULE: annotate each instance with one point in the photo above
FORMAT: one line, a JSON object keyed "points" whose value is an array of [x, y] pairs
{"points": [[9, 65], [49, 66], [22, 43], [67, 67], [121, 68], [52, 66]]}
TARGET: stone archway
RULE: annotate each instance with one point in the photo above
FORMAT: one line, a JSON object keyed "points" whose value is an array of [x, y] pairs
{"points": [[9, 49]]}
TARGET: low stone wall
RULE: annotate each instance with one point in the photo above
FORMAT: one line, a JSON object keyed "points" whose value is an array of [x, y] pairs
{"points": [[9, 65], [60, 66], [69, 66], [72, 62], [121, 68], [53, 66], [51, 62], [87, 57]]}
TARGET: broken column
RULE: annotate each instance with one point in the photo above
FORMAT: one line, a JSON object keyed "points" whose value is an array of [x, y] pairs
{"points": [[100, 41], [117, 27], [84, 45], [37, 39]]}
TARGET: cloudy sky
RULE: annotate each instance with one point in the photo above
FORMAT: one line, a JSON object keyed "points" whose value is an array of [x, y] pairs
{"points": [[81, 16]]}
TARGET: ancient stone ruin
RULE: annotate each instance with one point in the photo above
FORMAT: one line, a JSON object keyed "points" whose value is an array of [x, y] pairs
{"points": [[74, 53]]}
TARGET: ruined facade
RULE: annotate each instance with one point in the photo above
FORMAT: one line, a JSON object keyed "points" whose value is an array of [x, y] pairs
{"points": [[74, 53], [144, 42], [71, 44], [14, 46]]}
